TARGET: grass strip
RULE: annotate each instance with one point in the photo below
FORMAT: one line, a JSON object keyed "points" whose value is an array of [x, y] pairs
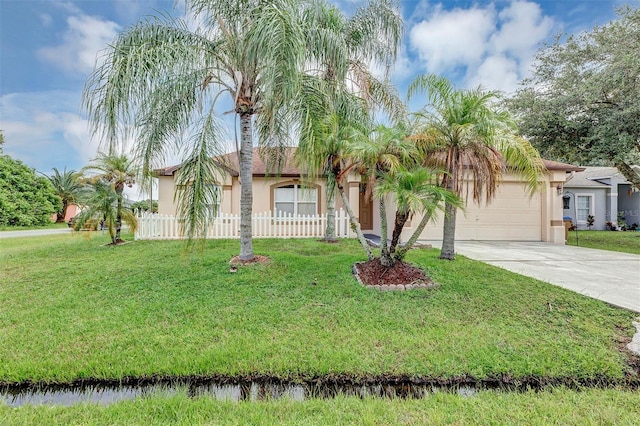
{"points": [[625, 242]]}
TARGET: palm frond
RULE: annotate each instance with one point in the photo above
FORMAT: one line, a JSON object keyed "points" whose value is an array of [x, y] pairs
{"points": [[198, 179]]}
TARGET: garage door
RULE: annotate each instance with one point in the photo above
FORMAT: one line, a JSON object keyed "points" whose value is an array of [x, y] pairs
{"points": [[511, 216]]}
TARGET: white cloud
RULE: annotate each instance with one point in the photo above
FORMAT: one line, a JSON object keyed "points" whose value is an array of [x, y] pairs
{"points": [[84, 37], [492, 48], [496, 73], [451, 38], [523, 29], [403, 67], [44, 130]]}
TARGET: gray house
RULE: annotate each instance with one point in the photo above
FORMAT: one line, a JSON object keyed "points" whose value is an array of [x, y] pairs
{"points": [[605, 194]]}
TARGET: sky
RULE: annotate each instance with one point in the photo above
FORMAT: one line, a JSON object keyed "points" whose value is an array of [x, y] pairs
{"points": [[48, 48]]}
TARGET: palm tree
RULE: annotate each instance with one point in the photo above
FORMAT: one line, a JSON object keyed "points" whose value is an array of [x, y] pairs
{"points": [[166, 79], [67, 186], [415, 192], [338, 86], [101, 202], [465, 135], [117, 171], [327, 153], [382, 154]]}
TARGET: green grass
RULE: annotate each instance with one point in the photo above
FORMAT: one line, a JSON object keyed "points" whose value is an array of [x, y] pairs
{"points": [[559, 406], [622, 241], [51, 225], [74, 308]]}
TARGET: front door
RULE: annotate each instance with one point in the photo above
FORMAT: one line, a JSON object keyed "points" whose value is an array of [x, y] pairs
{"points": [[366, 208]]}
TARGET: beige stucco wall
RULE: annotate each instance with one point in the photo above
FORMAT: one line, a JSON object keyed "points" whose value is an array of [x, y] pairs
{"points": [[263, 193], [514, 215], [167, 203], [166, 189]]}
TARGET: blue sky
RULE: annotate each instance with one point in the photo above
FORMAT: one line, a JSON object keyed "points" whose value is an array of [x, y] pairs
{"points": [[48, 48]]}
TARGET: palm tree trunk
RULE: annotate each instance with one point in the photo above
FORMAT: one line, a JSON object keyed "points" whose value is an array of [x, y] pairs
{"points": [[246, 192], [402, 251], [449, 233], [385, 255], [401, 219], [354, 223], [330, 231], [119, 191], [60, 216]]}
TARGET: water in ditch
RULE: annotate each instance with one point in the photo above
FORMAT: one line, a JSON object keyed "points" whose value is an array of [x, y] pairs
{"points": [[246, 391]]}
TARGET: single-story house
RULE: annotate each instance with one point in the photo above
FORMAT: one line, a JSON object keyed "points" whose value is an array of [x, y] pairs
{"points": [[604, 193], [513, 215]]}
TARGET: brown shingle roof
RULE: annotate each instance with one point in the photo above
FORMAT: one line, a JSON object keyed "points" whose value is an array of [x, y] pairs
{"points": [[556, 165], [263, 165]]}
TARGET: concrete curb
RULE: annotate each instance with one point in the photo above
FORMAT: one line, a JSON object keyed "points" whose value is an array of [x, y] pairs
{"points": [[634, 346]]}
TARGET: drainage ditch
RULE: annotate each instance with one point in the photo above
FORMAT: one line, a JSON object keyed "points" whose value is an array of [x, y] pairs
{"points": [[229, 389]]}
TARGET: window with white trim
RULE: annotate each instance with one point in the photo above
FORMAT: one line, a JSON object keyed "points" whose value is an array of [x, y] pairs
{"points": [[584, 207], [296, 199]]}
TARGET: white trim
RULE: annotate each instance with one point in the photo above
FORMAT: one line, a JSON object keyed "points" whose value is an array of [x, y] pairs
{"points": [[591, 206], [297, 188]]}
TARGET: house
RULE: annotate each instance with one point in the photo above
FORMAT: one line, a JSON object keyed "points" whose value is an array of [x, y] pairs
{"points": [[72, 211], [604, 193], [513, 215]]}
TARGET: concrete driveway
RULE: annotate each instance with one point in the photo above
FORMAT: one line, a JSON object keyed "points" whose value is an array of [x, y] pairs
{"points": [[605, 275]]}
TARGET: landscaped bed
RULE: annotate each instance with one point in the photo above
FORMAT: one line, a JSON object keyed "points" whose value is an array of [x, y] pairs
{"points": [[73, 308]]}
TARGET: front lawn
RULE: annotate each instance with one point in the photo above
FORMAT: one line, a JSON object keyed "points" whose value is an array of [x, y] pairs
{"points": [[73, 308], [623, 241]]}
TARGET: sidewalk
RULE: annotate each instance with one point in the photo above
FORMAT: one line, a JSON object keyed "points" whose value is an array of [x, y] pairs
{"points": [[34, 232]]}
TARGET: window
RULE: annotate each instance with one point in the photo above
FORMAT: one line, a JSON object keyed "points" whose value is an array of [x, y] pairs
{"points": [[296, 200], [214, 198], [583, 207]]}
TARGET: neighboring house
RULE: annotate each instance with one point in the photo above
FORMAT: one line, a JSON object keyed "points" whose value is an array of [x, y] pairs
{"points": [[602, 192], [72, 211], [513, 215]]}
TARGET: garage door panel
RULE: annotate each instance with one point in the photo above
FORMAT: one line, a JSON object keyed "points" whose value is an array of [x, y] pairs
{"points": [[512, 216]]}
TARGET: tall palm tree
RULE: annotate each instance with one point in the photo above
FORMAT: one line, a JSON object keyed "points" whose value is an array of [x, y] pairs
{"points": [[338, 86], [67, 185], [465, 135], [327, 154], [118, 171], [166, 79]]}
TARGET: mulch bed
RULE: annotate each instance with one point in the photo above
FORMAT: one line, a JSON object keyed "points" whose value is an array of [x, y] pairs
{"points": [[402, 276], [256, 259]]}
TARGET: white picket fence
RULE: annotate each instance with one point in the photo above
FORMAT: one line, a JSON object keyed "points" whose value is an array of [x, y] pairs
{"points": [[277, 224]]}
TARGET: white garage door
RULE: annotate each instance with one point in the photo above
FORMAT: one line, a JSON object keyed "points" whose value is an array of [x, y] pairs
{"points": [[511, 216]]}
